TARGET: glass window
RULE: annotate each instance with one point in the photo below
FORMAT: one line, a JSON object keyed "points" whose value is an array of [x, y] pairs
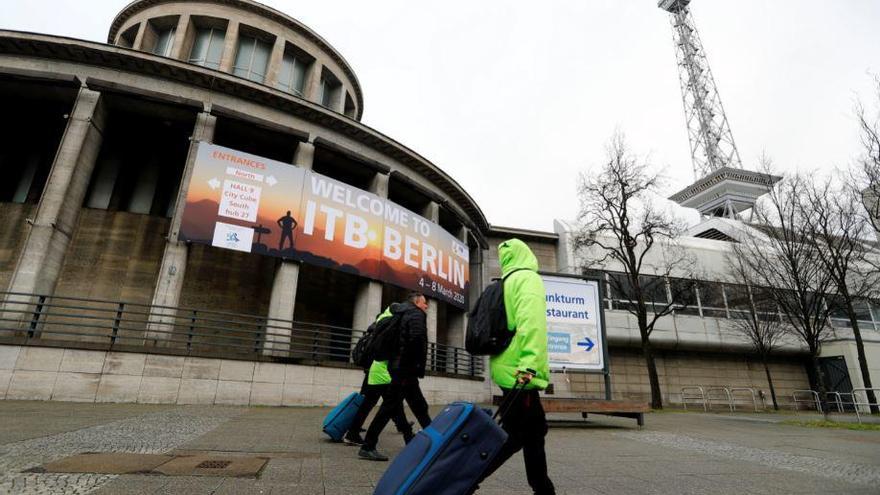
{"points": [[712, 299], [685, 296], [208, 47], [837, 311], [328, 92], [737, 300], [622, 295], [293, 75], [863, 311], [765, 305], [620, 291], [654, 289], [252, 59], [164, 42]]}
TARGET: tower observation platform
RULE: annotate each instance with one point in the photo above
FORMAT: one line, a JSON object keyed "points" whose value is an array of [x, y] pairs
{"points": [[722, 187]]}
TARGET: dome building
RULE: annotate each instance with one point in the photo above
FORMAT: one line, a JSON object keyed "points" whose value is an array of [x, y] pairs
{"points": [[97, 250]]}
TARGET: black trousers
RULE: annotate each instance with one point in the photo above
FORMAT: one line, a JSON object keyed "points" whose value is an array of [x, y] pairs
{"points": [[372, 394], [526, 427], [392, 404]]}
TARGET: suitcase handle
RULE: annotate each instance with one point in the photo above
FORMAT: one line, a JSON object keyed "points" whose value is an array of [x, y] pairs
{"points": [[508, 402]]}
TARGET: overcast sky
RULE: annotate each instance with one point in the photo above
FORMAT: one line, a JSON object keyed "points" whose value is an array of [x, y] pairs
{"points": [[513, 98]]}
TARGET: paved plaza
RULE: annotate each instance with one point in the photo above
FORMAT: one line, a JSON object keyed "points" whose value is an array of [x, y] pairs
{"points": [[677, 453]]}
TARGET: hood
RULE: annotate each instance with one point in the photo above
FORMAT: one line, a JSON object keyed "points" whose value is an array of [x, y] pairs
{"points": [[397, 308], [515, 255]]}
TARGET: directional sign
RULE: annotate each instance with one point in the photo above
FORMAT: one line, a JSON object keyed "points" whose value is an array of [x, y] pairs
{"points": [[574, 336]]}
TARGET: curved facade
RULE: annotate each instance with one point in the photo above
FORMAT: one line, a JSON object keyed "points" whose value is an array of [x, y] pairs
{"points": [[98, 167]]}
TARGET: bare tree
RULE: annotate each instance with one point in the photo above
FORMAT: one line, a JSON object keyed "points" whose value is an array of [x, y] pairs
{"points": [[780, 257], [619, 221], [840, 234], [869, 185], [760, 322]]}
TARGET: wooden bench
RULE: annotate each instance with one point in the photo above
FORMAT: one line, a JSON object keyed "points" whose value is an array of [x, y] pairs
{"points": [[620, 408]]}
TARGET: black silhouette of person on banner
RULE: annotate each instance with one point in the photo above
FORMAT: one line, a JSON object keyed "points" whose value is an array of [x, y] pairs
{"points": [[287, 224]]}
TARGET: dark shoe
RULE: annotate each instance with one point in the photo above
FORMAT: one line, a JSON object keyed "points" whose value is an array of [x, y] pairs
{"points": [[371, 455], [353, 439], [407, 437]]}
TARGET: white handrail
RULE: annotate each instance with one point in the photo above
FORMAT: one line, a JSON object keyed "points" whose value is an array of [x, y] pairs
{"points": [[744, 389], [857, 403], [814, 397], [685, 396], [726, 393]]}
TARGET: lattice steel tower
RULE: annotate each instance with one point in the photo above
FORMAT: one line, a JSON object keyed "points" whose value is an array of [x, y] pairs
{"points": [[722, 187]]}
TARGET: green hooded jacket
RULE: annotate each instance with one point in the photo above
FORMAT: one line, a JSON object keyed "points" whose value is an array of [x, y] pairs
{"points": [[526, 304], [379, 374]]}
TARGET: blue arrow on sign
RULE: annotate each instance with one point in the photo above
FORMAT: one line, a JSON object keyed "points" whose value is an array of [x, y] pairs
{"points": [[587, 343]]}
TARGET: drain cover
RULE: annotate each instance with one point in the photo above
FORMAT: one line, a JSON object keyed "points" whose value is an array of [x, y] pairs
{"points": [[206, 465]]}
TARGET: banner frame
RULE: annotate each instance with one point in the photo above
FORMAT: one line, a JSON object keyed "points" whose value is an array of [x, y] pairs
{"points": [[606, 365]]}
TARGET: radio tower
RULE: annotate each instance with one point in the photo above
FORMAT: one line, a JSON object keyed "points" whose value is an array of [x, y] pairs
{"points": [[722, 188]]}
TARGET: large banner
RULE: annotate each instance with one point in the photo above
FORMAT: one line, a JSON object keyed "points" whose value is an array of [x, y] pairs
{"points": [[574, 326], [256, 205]]}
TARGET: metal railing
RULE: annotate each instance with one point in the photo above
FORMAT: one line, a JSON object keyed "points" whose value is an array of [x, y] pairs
{"points": [[752, 394], [724, 396], [690, 394], [857, 404], [33, 319], [838, 400], [806, 397]]}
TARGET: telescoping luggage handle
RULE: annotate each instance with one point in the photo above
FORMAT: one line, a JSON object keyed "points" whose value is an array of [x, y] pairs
{"points": [[508, 401]]}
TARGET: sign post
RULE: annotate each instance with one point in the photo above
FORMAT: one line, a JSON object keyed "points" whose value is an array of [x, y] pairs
{"points": [[576, 325]]}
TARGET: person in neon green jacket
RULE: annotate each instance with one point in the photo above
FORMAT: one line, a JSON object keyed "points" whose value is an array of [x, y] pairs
{"points": [[376, 382], [523, 362], [526, 306]]}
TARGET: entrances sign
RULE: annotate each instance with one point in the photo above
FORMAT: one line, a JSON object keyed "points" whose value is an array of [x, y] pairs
{"points": [[253, 204], [574, 326]]}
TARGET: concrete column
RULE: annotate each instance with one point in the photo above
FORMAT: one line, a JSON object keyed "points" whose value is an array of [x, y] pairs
{"points": [[282, 301], [139, 37], [230, 43], [312, 89], [304, 156], [39, 263], [432, 213], [180, 37], [368, 302], [169, 283], [275, 61], [281, 305], [203, 131], [457, 320]]}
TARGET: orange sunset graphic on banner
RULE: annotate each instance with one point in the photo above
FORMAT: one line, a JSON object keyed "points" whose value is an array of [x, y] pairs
{"points": [[257, 205]]}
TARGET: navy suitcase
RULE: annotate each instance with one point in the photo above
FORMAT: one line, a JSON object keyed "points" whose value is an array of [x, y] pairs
{"points": [[339, 420], [449, 456]]}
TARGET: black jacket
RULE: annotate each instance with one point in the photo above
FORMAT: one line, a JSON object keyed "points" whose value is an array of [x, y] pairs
{"points": [[409, 359]]}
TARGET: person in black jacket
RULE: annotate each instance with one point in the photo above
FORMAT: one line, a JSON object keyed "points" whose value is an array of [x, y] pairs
{"points": [[406, 364]]}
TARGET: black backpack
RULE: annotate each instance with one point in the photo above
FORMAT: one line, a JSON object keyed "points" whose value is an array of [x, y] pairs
{"points": [[487, 333], [376, 342]]}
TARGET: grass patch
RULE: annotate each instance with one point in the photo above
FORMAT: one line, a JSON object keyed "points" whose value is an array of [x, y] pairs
{"points": [[821, 423]]}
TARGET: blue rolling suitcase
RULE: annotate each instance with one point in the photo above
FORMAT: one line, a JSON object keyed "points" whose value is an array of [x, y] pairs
{"points": [[449, 456], [337, 422]]}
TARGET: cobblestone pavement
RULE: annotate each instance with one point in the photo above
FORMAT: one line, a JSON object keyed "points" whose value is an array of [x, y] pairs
{"points": [[687, 453], [150, 433], [852, 472]]}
